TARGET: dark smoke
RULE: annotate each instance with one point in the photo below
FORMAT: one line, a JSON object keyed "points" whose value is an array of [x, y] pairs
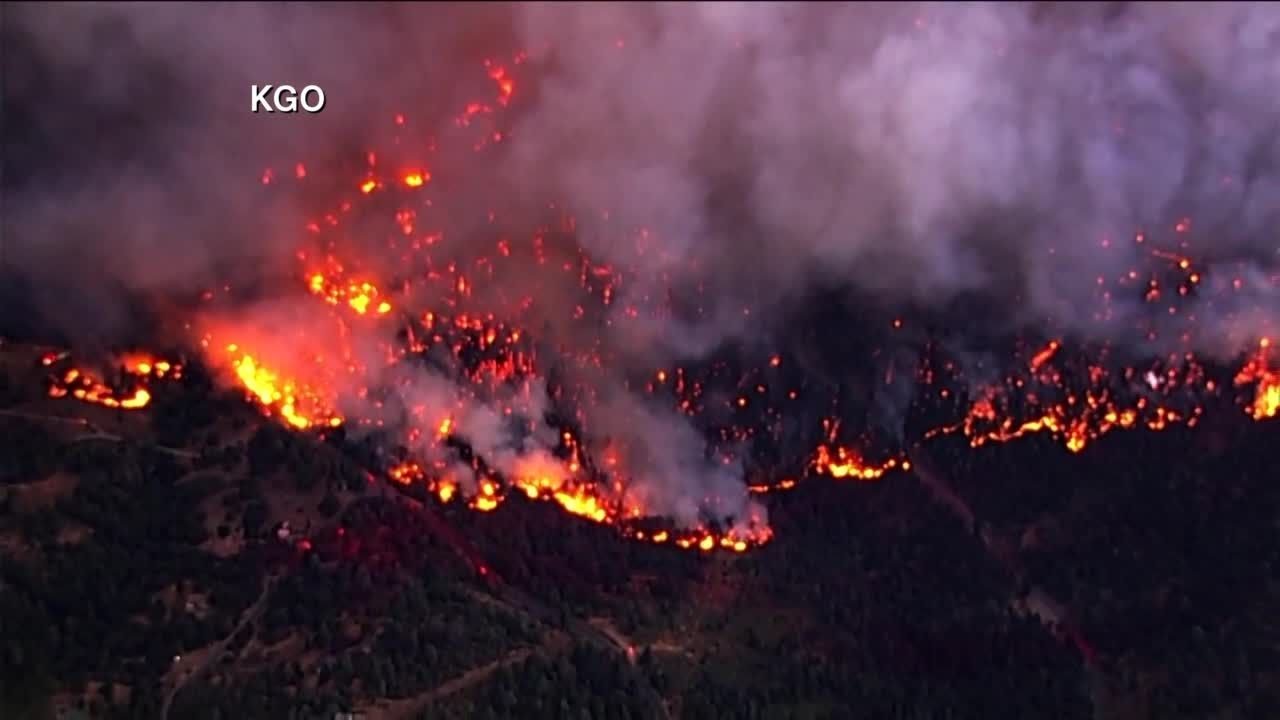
{"points": [[912, 151], [930, 156], [131, 158]]}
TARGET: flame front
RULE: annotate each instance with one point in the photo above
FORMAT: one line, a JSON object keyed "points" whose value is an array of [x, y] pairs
{"points": [[491, 352], [845, 463], [135, 369], [298, 405], [464, 360]]}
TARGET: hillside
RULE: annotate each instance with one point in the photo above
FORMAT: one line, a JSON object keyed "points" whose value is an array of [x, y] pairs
{"points": [[191, 560]]}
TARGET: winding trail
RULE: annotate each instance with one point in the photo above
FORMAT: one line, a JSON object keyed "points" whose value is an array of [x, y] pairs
{"points": [[92, 432], [213, 653], [412, 707]]}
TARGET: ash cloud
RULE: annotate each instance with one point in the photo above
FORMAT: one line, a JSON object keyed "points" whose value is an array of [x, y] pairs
{"points": [[918, 151], [914, 151], [132, 160]]}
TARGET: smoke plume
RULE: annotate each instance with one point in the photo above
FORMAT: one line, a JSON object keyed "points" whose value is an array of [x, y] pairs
{"points": [[918, 152], [915, 153]]}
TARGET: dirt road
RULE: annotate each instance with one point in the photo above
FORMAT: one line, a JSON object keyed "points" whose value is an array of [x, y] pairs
{"points": [[210, 655]]}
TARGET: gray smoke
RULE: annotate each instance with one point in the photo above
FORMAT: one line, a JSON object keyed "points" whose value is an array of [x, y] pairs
{"points": [[917, 152], [912, 150], [133, 162]]}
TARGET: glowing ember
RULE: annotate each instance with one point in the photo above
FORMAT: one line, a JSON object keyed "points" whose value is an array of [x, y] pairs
{"points": [[445, 491], [405, 473], [417, 179], [488, 499], [1266, 377], [362, 297]]}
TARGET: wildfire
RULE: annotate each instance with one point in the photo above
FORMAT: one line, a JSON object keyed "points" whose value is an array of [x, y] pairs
{"points": [[406, 472], [782, 485], [494, 355], [488, 498], [445, 490], [359, 296], [1259, 370], [416, 179], [542, 478], [135, 371], [476, 327], [298, 405], [845, 463], [1077, 421]]}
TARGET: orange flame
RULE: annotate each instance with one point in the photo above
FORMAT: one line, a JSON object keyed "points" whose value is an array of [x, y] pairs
{"points": [[359, 296], [845, 463], [1258, 369], [138, 368], [298, 405]]}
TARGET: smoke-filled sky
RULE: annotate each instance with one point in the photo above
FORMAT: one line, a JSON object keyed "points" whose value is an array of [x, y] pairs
{"points": [[917, 151], [910, 150], [920, 154]]}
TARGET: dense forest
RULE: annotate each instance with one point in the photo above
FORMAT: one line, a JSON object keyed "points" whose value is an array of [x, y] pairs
{"points": [[194, 561]]}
